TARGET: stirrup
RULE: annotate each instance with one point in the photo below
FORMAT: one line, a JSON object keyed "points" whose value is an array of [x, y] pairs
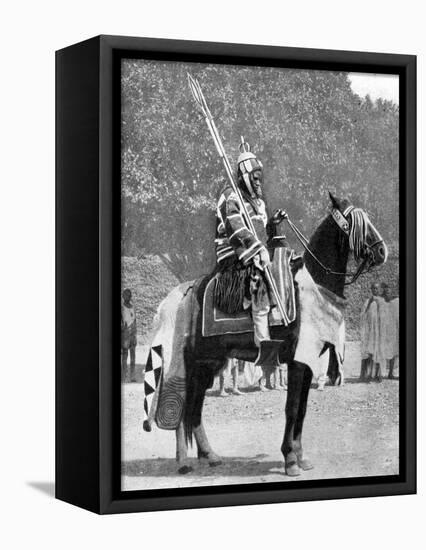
{"points": [[268, 353]]}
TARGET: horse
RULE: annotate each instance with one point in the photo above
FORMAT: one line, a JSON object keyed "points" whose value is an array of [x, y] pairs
{"points": [[344, 230]]}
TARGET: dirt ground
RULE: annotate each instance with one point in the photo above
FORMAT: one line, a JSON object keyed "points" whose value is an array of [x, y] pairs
{"points": [[349, 431]]}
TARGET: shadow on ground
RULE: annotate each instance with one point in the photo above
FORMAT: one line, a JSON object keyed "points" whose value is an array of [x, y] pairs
{"points": [[46, 487], [254, 389], [356, 380], [232, 466]]}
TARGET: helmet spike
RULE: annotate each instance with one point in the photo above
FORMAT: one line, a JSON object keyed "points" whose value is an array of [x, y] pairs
{"points": [[244, 147]]}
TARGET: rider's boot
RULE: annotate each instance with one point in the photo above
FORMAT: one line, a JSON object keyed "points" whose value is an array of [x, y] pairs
{"points": [[268, 349]]}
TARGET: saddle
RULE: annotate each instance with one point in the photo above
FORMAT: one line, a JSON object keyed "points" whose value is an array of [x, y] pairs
{"points": [[216, 322]]}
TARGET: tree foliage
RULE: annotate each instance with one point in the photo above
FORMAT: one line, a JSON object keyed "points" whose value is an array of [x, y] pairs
{"points": [[312, 133]]}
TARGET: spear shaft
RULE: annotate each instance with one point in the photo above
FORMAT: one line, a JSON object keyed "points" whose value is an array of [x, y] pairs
{"points": [[202, 104]]}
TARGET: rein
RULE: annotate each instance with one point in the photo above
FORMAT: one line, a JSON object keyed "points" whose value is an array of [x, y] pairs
{"points": [[342, 222]]}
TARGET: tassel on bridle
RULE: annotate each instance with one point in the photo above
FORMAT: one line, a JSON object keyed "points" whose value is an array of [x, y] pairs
{"points": [[358, 232]]}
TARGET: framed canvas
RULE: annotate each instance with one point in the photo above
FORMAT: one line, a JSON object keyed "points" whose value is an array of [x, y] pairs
{"points": [[235, 242]]}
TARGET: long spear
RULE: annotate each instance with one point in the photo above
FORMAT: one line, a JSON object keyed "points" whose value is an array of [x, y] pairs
{"points": [[202, 104]]}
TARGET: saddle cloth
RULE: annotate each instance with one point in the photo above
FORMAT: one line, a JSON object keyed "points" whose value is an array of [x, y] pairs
{"points": [[216, 322], [165, 375]]}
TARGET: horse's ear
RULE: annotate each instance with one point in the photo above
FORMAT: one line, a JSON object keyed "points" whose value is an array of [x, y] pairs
{"points": [[333, 200]]}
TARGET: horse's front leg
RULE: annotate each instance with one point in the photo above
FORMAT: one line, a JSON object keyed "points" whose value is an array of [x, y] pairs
{"points": [[302, 462], [292, 446], [182, 450]]}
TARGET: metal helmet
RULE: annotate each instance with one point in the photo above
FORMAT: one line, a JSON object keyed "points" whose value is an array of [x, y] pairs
{"points": [[247, 163]]}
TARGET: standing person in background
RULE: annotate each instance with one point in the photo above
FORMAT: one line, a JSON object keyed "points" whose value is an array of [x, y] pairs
{"points": [[280, 377], [389, 329], [232, 366], [268, 374], [394, 362], [371, 352], [128, 335], [253, 376], [273, 378]]}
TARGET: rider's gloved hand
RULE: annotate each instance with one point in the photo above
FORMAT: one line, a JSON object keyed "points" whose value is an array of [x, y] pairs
{"points": [[262, 259], [279, 216]]}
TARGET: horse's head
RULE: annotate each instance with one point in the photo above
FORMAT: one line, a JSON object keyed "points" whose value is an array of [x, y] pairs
{"points": [[364, 240]]}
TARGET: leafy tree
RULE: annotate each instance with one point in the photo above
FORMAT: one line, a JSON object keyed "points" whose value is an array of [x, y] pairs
{"points": [[310, 130]]}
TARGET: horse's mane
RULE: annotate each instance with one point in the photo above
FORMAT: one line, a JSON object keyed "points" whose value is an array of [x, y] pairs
{"points": [[358, 232]]}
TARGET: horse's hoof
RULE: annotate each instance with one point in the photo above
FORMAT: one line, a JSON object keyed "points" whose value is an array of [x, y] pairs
{"points": [[304, 464], [212, 459], [293, 470], [185, 469]]}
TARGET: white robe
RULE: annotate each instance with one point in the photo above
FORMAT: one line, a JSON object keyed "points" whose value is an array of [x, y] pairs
{"points": [[371, 341], [395, 311], [389, 328]]}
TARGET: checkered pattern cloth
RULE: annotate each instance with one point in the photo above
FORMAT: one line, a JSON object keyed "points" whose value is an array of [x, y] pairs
{"points": [[153, 372]]}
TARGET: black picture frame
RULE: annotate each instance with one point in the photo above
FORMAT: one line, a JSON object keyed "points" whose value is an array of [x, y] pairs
{"points": [[88, 274]]}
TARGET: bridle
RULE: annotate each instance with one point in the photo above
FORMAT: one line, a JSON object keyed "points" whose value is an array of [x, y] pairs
{"points": [[341, 219]]}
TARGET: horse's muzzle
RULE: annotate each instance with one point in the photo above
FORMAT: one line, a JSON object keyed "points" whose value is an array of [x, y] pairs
{"points": [[379, 253]]}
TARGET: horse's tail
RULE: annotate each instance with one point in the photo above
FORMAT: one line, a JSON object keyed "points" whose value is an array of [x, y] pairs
{"points": [[190, 370]]}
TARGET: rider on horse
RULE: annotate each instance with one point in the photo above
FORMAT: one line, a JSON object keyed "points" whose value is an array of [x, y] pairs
{"points": [[241, 255]]}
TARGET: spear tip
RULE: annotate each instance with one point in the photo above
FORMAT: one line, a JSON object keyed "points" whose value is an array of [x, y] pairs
{"points": [[196, 92]]}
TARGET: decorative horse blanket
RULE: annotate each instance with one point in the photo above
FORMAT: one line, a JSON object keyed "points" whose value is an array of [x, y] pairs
{"points": [[216, 322], [164, 382], [321, 324]]}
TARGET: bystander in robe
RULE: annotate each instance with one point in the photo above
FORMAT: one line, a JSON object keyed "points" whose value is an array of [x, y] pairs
{"points": [[389, 330], [371, 343], [128, 335]]}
